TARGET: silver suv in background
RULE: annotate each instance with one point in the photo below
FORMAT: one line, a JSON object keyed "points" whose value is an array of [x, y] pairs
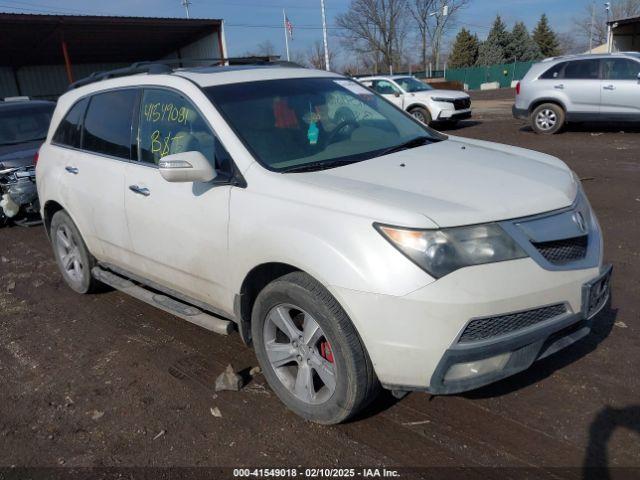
{"points": [[580, 88]]}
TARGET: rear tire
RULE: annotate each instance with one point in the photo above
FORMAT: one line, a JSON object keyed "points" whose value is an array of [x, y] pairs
{"points": [[547, 119], [73, 258], [421, 114], [318, 367]]}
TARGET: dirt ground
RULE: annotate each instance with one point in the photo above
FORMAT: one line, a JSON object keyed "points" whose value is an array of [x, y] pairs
{"points": [[105, 380]]}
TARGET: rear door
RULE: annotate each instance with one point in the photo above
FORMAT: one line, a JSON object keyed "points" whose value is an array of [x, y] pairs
{"points": [[581, 84], [178, 230], [621, 88], [94, 171]]}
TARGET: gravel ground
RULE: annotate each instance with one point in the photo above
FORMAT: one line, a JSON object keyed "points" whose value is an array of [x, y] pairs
{"points": [[104, 380]]}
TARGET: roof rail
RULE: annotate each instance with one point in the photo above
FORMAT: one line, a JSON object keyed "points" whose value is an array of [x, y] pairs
{"points": [[138, 67], [170, 65]]}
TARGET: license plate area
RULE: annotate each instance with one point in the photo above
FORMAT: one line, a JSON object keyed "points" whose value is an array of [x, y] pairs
{"points": [[595, 294]]}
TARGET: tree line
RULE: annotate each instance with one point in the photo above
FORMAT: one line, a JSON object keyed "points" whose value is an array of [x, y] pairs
{"points": [[379, 36], [504, 46]]}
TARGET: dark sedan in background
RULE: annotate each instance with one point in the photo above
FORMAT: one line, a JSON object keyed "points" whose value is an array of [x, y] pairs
{"points": [[23, 128]]}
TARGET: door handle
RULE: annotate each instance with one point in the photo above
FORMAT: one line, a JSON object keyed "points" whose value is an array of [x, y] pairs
{"points": [[140, 190], [560, 86], [609, 87], [73, 170]]}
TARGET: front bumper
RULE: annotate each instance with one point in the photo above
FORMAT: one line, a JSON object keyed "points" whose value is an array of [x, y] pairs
{"points": [[523, 347], [454, 114], [412, 340]]}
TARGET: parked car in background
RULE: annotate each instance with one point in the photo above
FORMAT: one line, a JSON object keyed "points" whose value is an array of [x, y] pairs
{"points": [[352, 245], [23, 128], [421, 100], [580, 88]]}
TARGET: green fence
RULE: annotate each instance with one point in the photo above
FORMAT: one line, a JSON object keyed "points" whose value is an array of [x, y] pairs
{"points": [[475, 76]]}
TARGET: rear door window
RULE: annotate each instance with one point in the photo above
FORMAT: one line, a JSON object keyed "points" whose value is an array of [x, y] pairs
{"points": [[384, 87], [69, 132], [107, 124], [582, 70], [620, 69]]}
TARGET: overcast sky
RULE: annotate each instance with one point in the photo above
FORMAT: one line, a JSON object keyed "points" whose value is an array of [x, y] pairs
{"points": [[249, 22]]}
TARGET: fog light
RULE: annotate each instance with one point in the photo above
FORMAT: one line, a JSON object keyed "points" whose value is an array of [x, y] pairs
{"points": [[463, 371]]}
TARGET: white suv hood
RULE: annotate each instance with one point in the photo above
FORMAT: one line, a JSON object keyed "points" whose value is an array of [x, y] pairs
{"points": [[456, 182]]}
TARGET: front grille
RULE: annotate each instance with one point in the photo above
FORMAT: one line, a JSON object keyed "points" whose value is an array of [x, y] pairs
{"points": [[484, 328], [462, 103], [561, 252]]}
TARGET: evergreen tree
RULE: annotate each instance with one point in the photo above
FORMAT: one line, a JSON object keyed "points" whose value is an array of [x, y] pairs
{"points": [[546, 38], [465, 50], [521, 46], [492, 50]]}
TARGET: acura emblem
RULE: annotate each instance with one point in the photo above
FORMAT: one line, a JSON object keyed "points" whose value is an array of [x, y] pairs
{"points": [[578, 219]]}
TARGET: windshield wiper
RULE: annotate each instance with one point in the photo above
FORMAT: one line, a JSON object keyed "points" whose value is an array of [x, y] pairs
{"points": [[315, 166], [413, 143]]}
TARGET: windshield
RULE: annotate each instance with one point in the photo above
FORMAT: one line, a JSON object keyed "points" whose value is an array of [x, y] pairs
{"points": [[22, 124], [410, 84], [314, 123]]}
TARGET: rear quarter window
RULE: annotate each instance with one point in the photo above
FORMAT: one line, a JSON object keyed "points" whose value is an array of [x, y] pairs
{"points": [[554, 72], [69, 131]]}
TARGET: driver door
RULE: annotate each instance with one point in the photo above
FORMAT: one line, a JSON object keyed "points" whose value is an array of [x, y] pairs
{"points": [[178, 230], [390, 91]]}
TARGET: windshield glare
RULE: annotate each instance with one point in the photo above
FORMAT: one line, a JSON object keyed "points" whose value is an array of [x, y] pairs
{"points": [[294, 122], [411, 85], [22, 125]]}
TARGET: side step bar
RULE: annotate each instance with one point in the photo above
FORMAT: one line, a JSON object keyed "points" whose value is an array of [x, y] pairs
{"points": [[168, 304]]}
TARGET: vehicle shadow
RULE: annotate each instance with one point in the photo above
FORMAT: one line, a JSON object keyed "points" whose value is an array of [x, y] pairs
{"points": [[542, 369], [444, 127], [602, 428], [594, 128]]}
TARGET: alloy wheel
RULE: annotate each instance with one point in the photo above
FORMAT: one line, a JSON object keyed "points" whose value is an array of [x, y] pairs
{"points": [[300, 354], [418, 115], [69, 254], [546, 119]]}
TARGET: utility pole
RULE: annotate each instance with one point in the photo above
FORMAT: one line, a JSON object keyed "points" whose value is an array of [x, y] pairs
{"points": [[286, 34], [437, 14], [324, 36], [186, 4], [593, 20], [607, 7]]}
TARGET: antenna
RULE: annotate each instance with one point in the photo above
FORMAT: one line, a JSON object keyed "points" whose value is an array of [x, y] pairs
{"points": [[186, 4]]}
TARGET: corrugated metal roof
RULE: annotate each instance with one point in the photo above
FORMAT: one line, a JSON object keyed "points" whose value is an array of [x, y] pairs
{"points": [[35, 39]]}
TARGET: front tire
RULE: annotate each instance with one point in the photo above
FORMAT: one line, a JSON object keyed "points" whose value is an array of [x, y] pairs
{"points": [[421, 114], [547, 119], [73, 258], [310, 352]]}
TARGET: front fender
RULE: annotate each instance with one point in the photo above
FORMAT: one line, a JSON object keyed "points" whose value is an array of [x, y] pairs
{"points": [[337, 249]]}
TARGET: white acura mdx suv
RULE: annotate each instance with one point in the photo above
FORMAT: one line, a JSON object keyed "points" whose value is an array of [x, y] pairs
{"points": [[350, 244]]}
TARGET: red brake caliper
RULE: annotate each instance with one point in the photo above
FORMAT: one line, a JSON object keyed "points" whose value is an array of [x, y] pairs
{"points": [[325, 351]]}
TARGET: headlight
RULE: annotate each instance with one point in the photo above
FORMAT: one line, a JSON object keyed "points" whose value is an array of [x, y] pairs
{"points": [[440, 252], [442, 99]]}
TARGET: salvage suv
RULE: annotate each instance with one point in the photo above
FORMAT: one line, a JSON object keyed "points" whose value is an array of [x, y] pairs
{"points": [[352, 246]]}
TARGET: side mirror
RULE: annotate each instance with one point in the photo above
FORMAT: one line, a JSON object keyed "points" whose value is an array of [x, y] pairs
{"points": [[186, 167], [396, 93]]}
